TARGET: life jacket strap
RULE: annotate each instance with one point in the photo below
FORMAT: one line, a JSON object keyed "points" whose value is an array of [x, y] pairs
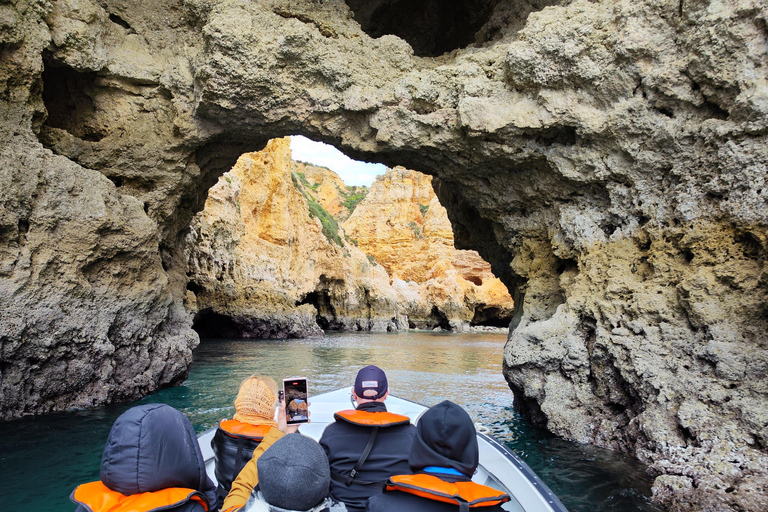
{"points": [[239, 464], [348, 479]]}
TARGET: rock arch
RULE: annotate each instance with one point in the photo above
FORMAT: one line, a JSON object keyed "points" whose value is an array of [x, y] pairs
{"points": [[624, 137]]}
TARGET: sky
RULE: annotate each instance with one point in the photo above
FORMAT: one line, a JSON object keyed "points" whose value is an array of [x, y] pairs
{"points": [[352, 172]]}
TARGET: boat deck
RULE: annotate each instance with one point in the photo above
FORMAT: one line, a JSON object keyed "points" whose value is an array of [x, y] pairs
{"points": [[499, 467]]}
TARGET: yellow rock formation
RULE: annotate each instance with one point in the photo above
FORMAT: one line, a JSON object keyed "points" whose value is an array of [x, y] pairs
{"points": [[270, 260], [262, 259], [403, 226]]}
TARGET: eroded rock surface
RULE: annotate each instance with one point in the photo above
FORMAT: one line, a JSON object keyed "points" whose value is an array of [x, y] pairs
{"points": [[607, 157]]}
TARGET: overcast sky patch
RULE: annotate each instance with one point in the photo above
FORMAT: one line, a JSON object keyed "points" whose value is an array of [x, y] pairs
{"points": [[352, 172]]}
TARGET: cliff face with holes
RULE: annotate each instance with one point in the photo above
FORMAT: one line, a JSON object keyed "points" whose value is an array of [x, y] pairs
{"points": [[403, 226], [607, 157], [261, 266]]}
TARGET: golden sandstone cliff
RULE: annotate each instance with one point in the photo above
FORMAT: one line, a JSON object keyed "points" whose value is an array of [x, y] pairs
{"points": [[260, 265], [329, 190], [403, 226], [268, 259]]}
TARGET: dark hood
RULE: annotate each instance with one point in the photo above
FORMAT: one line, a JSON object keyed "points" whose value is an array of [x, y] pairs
{"points": [[445, 437], [153, 447]]}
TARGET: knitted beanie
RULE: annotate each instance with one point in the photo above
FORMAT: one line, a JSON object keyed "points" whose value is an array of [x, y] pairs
{"points": [[294, 473], [256, 400]]}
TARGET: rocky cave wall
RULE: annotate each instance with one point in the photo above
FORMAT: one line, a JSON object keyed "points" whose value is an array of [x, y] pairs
{"points": [[607, 157]]}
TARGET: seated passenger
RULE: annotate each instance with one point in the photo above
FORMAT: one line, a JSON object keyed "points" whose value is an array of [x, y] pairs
{"points": [[151, 462], [292, 475], [443, 459], [243, 485], [367, 445], [236, 439]]}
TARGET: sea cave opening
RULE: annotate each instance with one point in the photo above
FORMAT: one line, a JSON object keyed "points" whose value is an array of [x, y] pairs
{"points": [[287, 246]]}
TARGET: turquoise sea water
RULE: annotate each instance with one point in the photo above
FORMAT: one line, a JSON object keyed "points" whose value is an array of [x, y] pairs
{"points": [[42, 459]]}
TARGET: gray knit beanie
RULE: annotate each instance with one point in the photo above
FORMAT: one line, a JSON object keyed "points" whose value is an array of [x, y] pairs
{"points": [[294, 473]]}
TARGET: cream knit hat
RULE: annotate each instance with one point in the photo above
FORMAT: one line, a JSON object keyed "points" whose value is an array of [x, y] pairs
{"points": [[256, 400]]}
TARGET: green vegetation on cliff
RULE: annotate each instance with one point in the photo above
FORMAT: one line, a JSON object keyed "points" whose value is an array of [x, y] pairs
{"points": [[330, 226], [352, 197]]}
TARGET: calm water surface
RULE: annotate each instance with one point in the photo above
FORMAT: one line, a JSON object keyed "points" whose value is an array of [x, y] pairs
{"points": [[43, 459]]}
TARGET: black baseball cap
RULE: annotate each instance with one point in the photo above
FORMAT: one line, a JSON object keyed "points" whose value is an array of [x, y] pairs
{"points": [[371, 383]]}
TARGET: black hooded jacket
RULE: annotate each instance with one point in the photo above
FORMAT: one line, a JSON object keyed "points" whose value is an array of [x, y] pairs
{"points": [[344, 442], [445, 438], [154, 447]]}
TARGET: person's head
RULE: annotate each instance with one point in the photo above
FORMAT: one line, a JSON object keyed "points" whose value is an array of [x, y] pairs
{"points": [[153, 447], [256, 401], [371, 385], [294, 473], [445, 437]]}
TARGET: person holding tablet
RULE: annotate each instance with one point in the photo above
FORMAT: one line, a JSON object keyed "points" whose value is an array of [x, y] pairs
{"points": [[252, 404]]}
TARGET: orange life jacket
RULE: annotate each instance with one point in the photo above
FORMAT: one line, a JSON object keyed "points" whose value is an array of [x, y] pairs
{"points": [[459, 493], [237, 428], [100, 498], [372, 419]]}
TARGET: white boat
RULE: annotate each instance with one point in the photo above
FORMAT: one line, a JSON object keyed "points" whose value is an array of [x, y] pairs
{"points": [[499, 467]]}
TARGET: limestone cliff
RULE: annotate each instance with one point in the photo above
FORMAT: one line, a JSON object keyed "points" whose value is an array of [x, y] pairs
{"points": [[261, 265], [607, 157], [403, 226]]}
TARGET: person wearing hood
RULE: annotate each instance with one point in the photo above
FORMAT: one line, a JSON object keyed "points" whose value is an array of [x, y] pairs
{"points": [[366, 445], [443, 458], [151, 461], [293, 477]]}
